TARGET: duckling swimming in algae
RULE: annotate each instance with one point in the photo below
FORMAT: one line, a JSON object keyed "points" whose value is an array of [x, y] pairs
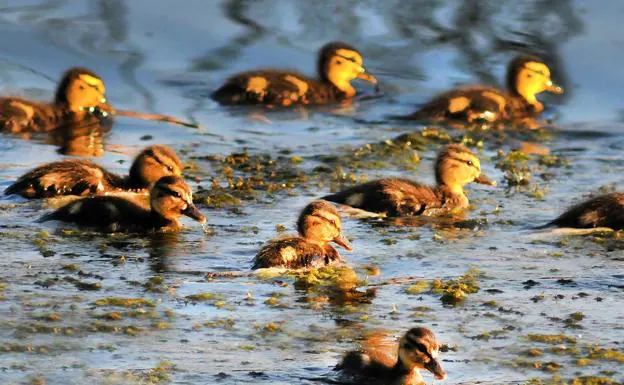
{"points": [[527, 76], [378, 364], [83, 177], [338, 64], [455, 167], [170, 198], [318, 224]]}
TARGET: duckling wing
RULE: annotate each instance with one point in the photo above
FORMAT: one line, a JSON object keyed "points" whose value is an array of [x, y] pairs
{"points": [[18, 115], [601, 211], [107, 213], [393, 196], [381, 347], [70, 177], [467, 104], [275, 88], [291, 253]]}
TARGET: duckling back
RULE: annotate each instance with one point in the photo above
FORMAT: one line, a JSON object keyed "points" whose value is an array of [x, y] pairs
{"points": [[20, 115], [67, 177], [392, 196], [295, 253], [602, 211], [107, 214], [274, 88]]}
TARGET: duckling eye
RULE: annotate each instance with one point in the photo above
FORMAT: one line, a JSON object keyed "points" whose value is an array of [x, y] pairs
{"points": [[177, 194], [469, 163], [81, 87], [170, 168]]}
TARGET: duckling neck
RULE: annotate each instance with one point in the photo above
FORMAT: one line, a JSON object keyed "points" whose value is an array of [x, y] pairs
{"points": [[453, 195], [406, 375]]}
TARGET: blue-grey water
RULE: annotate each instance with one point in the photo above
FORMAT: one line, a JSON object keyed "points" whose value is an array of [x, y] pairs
{"points": [[166, 56]]}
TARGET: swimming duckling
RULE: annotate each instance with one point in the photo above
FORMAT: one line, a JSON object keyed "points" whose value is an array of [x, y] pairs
{"points": [[455, 167], [601, 211], [338, 64], [527, 76], [83, 177], [79, 93], [418, 349], [318, 224], [170, 198]]}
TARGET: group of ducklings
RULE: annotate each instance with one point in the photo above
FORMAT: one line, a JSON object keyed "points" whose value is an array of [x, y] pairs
{"points": [[153, 196]]}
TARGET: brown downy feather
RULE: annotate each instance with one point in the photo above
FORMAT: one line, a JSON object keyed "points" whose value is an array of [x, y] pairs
{"points": [[601, 211], [83, 177]]}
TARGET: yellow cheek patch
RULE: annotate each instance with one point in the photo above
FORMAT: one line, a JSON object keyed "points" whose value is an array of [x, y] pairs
{"points": [[302, 87], [499, 99], [458, 104], [351, 55], [258, 85]]}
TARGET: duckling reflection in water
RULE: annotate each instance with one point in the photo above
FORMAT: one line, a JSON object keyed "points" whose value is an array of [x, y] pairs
{"points": [[83, 138], [605, 210], [318, 224], [455, 167], [79, 94], [83, 177], [527, 76], [338, 64], [379, 363], [170, 198]]}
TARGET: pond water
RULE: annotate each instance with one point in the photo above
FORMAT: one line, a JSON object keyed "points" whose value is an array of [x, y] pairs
{"points": [[166, 56]]}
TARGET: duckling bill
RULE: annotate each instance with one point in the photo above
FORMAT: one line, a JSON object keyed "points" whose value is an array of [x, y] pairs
{"points": [[455, 167], [527, 76], [80, 93], [170, 198], [418, 349], [318, 224], [338, 64], [83, 177]]}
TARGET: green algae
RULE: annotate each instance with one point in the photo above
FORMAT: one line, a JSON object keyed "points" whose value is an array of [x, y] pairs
{"points": [[455, 291], [418, 287], [125, 302], [598, 353], [551, 338], [581, 380]]}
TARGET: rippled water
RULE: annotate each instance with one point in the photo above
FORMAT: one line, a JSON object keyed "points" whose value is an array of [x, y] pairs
{"points": [[166, 56]]}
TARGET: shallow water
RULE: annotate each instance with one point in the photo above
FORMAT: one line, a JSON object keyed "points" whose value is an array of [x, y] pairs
{"points": [[161, 56]]}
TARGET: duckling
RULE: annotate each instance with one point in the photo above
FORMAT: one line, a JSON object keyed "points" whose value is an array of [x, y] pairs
{"points": [[455, 167], [79, 93], [338, 64], [605, 210], [170, 198], [318, 224], [83, 177], [418, 349], [527, 76]]}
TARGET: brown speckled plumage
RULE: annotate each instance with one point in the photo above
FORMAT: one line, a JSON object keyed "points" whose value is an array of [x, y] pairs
{"points": [[318, 224], [402, 197], [483, 103], [380, 362], [601, 211], [21, 115], [285, 88], [83, 177], [170, 198]]}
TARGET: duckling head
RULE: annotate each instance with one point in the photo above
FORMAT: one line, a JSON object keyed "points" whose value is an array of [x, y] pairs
{"points": [[457, 166], [528, 76], [171, 197], [419, 349], [80, 89], [319, 222], [339, 64], [153, 163]]}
